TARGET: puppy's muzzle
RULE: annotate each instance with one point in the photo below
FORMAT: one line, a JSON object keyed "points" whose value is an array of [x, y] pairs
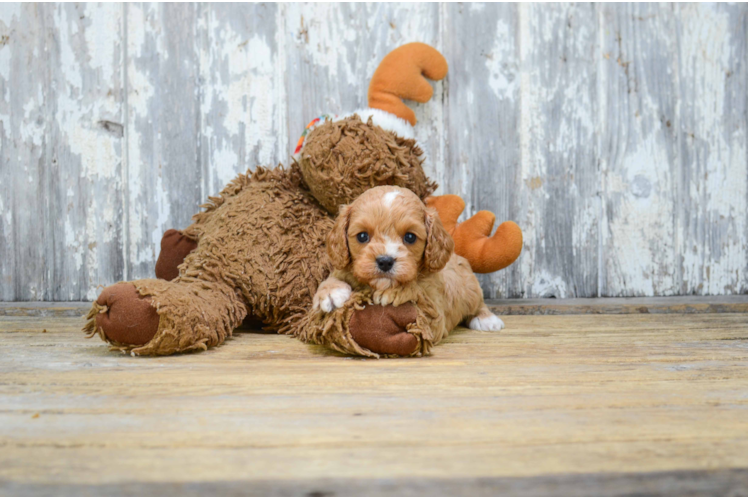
{"points": [[385, 263]]}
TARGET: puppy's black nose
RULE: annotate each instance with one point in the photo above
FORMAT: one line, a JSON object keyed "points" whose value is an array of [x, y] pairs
{"points": [[385, 262]]}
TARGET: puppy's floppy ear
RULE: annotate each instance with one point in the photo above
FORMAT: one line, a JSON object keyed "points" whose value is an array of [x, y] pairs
{"points": [[439, 243], [337, 240]]}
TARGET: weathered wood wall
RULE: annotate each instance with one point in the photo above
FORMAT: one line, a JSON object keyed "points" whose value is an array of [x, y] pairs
{"points": [[615, 135]]}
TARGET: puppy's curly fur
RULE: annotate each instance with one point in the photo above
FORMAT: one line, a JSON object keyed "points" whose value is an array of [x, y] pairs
{"points": [[389, 244]]}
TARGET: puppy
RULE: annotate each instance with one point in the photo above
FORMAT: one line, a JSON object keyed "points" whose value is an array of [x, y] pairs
{"points": [[387, 240]]}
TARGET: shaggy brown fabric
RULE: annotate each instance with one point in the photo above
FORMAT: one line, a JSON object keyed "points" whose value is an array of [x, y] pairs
{"points": [[333, 329], [384, 329], [261, 247], [174, 248], [194, 315], [340, 160]]}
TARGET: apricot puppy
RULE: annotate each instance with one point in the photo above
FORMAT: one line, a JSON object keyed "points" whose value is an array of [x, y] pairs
{"points": [[389, 241]]}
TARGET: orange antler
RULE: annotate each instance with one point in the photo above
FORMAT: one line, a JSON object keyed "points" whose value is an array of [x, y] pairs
{"points": [[400, 75], [473, 239]]}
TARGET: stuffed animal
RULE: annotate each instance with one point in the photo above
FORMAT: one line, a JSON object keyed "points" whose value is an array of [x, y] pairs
{"points": [[258, 249]]}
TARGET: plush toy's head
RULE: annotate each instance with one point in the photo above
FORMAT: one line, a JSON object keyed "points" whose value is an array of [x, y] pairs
{"points": [[341, 157]]}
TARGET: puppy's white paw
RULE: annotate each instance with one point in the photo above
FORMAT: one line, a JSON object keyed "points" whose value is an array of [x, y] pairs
{"points": [[334, 298], [489, 323]]}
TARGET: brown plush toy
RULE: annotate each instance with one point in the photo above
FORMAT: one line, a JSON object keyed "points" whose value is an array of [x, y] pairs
{"points": [[258, 249]]}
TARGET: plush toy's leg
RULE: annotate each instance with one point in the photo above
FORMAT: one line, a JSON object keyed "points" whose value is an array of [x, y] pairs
{"points": [[175, 246], [157, 317], [363, 329]]}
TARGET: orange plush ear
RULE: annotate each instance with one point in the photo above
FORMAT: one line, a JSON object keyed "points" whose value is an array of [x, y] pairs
{"points": [[473, 239], [400, 75]]}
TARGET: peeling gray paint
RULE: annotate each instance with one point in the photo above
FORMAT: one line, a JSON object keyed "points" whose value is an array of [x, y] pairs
{"points": [[614, 134]]}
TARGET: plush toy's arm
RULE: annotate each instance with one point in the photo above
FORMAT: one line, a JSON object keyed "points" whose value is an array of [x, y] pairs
{"points": [[473, 239], [177, 244], [175, 247]]}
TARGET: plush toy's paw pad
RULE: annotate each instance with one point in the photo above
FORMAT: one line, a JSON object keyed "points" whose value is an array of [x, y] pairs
{"points": [[330, 299], [383, 329], [486, 323], [127, 318]]}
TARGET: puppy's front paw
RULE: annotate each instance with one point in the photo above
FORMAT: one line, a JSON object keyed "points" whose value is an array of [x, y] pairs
{"points": [[487, 323], [329, 298], [384, 297]]}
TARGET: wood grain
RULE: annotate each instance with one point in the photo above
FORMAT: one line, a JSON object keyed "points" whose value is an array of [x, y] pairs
{"points": [[691, 304], [639, 146], [615, 135], [560, 207], [242, 86], [164, 177], [23, 269], [570, 404], [63, 232], [713, 221], [483, 118]]}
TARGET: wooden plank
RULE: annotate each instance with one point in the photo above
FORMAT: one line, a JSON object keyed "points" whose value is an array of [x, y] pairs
{"points": [[713, 146], [24, 86], [45, 309], [242, 91], [639, 149], [62, 150], [727, 483], [482, 162], [83, 212], [560, 208], [688, 304], [605, 396], [163, 177]]}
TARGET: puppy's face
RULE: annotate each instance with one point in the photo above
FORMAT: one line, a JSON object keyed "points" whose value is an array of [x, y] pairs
{"points": [[387, 237]]}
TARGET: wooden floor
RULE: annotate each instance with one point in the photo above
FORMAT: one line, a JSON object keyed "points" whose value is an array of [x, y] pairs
{"points": [[574, 404]]}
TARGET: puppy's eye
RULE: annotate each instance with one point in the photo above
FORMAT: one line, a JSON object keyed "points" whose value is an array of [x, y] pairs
{"points": [[410, 238], [362, 237]]}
